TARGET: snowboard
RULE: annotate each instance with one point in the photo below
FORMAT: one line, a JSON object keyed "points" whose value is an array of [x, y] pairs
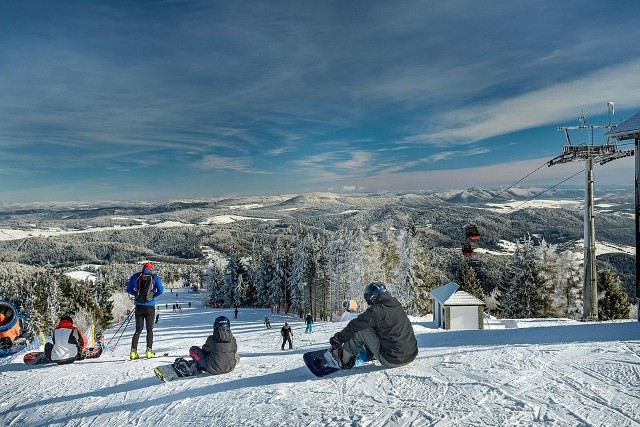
{"points": [[168, 373], [318, 365], [10, 351], [39, 358]]}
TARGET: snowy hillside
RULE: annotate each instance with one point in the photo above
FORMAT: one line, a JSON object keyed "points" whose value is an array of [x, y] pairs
{"points": [[550, 372]]}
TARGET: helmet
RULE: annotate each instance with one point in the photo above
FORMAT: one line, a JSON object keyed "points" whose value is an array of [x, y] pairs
{"points": [[147, 266], [372, 291], [221, 322]]}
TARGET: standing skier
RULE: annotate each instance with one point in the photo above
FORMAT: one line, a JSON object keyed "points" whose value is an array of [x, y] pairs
{"points": [[68, 342], [218, 355], [144, 287], [383, 329], [286, 333], [309, 322], [267, 323]]}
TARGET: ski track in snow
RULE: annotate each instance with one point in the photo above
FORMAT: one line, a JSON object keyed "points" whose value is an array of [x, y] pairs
{"points": [[551, 373]]}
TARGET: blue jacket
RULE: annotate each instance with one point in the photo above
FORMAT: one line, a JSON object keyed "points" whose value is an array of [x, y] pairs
{"points": [[158, 288]]}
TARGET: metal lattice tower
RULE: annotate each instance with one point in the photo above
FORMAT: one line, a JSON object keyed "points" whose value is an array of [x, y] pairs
{"points": [[589, 153]]}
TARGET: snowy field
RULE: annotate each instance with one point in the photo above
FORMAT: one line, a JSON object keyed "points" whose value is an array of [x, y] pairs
{"points": [[536, 372]]}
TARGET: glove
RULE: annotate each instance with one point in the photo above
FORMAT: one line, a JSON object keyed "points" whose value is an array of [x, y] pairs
{"points": [[334, 343]]}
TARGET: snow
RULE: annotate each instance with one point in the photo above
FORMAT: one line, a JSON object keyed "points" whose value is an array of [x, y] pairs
{"points": [[82, 275], [228, 219], [552, 372], [513, 205]]}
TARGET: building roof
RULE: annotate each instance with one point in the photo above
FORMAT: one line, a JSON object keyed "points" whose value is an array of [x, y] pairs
{"points": [[629, 129], [450, 295], [444, 292], [463, 298]]}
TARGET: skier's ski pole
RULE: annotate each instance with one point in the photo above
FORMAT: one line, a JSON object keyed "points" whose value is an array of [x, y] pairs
{"points": [[122, 326], [124, 322], [123, 329]]}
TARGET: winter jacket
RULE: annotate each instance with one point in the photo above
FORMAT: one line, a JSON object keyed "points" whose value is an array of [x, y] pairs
{"points": [[221, 350], [158, 289], [286, 331], [398, 343], [68, 341], [309, 320]]}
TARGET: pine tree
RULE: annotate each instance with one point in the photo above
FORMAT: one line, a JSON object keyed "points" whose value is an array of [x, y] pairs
{"points": [[523, 296], [468, 280], [613, 302], [405, 281], [231, 281], [569, 296], [547, 259], [263, 277]]}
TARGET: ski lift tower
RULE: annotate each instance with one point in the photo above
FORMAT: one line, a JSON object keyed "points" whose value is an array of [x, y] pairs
{"points": [[589, 153], [630, 129]]}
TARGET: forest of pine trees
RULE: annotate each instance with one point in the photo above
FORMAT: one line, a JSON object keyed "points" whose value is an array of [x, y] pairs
{"points": [[312, 269]]}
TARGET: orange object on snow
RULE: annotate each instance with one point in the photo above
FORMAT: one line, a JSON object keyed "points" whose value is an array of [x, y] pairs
{"points": [[10, 324]]}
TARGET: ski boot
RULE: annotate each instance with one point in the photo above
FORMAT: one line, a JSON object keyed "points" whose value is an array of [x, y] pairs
{"points": [[134, 354], [150, 354], [183, 367]]}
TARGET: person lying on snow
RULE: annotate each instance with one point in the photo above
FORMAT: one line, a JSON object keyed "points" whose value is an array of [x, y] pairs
{"points": [[218, 355], [68, 342]]}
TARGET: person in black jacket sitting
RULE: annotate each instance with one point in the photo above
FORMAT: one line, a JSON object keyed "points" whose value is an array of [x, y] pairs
{"points": [[218, 355], [383, 328]]}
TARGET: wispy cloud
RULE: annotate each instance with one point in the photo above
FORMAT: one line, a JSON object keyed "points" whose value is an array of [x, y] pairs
{"points": [[226, 163], [547, 106]]}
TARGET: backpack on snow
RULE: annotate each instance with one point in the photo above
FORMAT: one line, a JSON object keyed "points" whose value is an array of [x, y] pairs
{"points": [[144, 293]]}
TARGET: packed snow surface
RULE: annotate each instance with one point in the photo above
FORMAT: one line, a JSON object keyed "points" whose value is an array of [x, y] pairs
{"points": [[550, 372]]}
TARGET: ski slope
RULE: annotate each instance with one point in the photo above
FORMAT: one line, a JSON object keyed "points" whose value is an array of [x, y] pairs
{"points": [[536, 372]]}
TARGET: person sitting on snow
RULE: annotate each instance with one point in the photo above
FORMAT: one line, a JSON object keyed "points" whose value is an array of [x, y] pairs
{"points": [[68, 342], [218, 355], [383, 328]]}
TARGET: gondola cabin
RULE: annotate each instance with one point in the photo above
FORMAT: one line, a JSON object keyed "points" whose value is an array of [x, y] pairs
{"points": [[472, 233], [467, 250]]}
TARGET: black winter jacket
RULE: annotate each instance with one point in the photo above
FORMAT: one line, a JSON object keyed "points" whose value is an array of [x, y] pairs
{"points": [[398, 343], [221, 349]]}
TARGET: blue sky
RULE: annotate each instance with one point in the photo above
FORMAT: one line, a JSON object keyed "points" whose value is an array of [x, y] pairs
{"points": [[184, 99]]}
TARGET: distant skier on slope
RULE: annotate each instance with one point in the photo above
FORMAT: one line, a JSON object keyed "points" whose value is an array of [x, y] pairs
{"points": [[309, 321], [286, 333], [68, 342], [383, 328], [218, 355]]}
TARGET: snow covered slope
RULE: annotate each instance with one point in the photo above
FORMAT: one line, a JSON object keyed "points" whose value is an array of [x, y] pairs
{"points": [[536, 372]]}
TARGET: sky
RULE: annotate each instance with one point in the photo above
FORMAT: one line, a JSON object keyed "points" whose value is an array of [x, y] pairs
{"points": [[127, 100], [531, 372]]}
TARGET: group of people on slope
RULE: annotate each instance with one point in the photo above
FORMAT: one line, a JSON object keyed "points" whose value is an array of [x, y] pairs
{"points": [[383, 329]]}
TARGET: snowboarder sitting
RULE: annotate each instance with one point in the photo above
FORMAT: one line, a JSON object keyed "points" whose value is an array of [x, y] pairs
{"points": [[286, 333], [68, 342], [383, 329], [218, 355]]}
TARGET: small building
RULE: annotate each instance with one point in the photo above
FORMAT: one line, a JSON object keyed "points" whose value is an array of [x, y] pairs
{"points": [[455, 309]]}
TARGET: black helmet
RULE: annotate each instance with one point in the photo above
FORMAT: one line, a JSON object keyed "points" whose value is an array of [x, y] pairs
{"points": [[221, 322], [372, 291]]}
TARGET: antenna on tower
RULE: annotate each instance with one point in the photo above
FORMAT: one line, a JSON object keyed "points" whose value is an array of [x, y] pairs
{"points": [[612, 111]]}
